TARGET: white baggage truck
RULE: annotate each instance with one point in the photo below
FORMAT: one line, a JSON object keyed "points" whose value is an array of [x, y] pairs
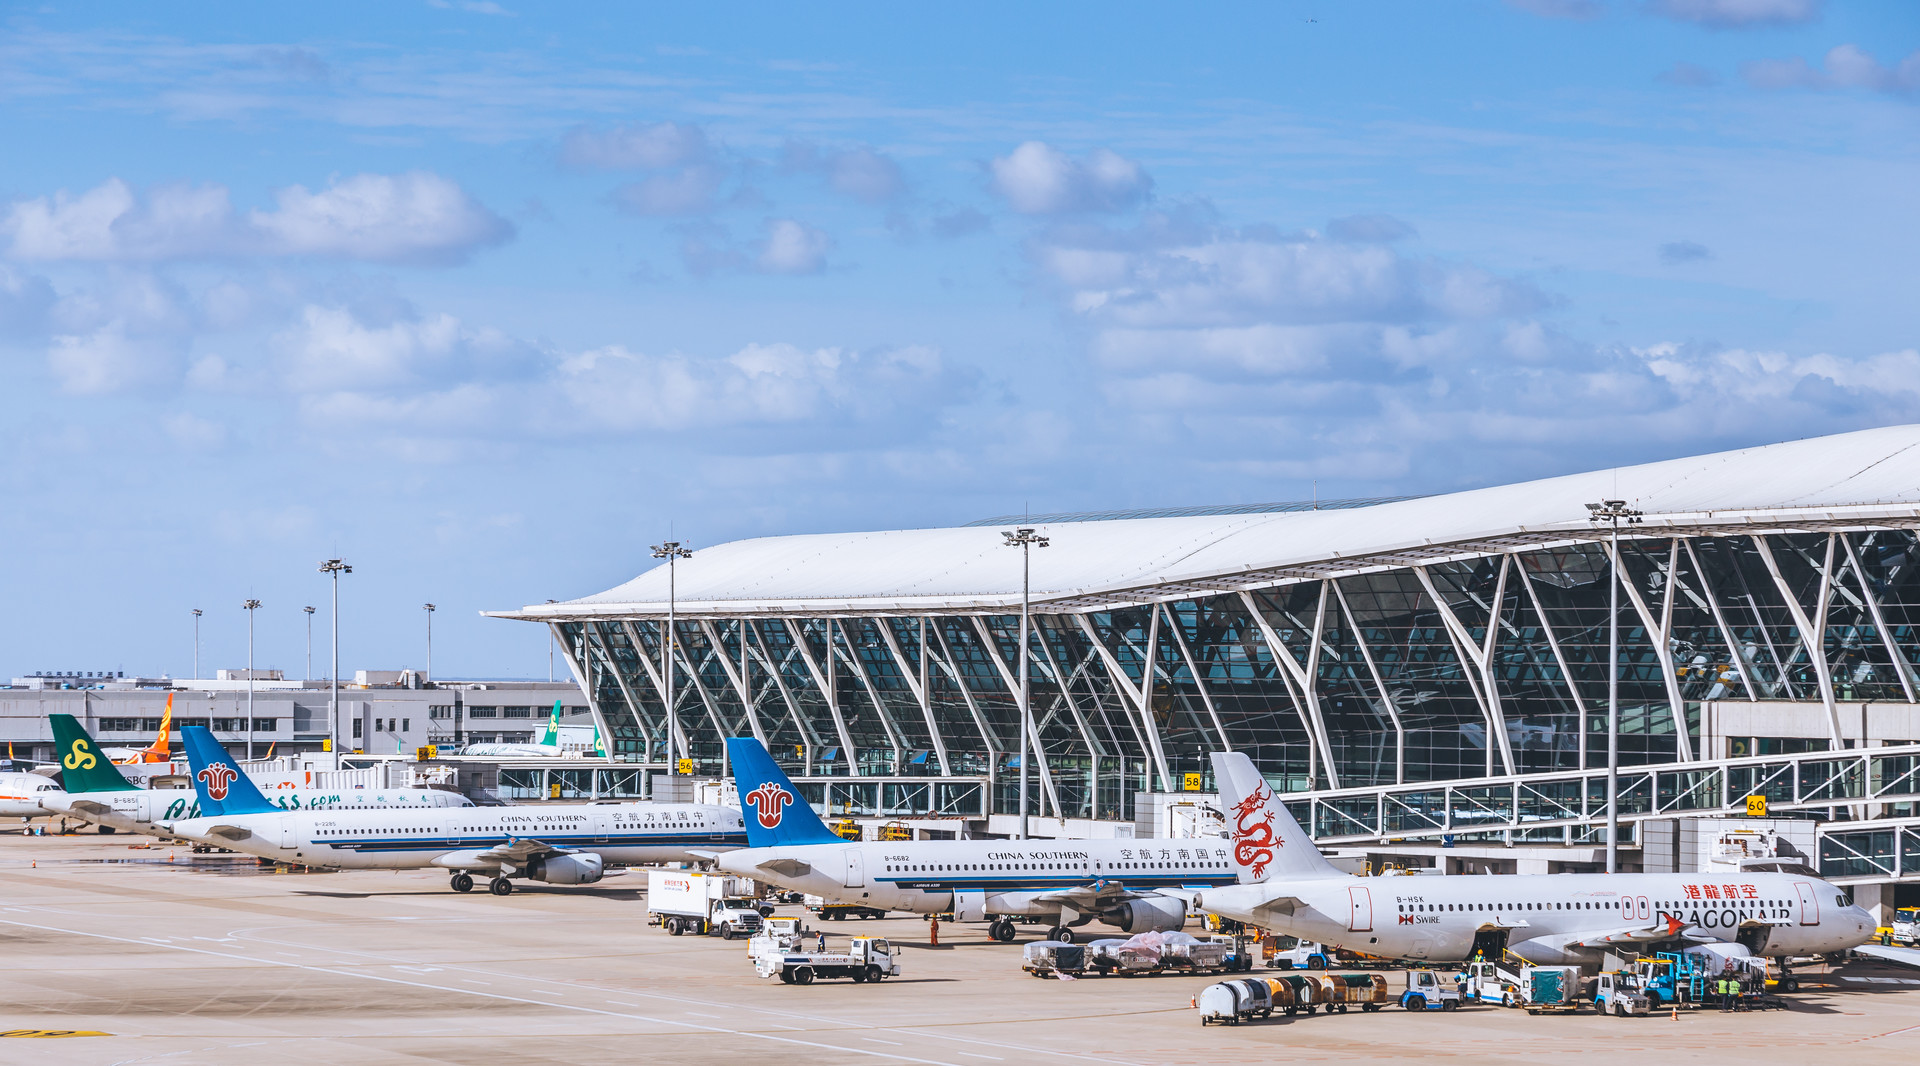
{"points": [[694, 901], [869, 959]]}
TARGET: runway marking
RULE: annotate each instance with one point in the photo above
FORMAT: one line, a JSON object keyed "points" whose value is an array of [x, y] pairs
{"points": [[235, 957], [697, 1014], [977, 1055], [877, 1040]]}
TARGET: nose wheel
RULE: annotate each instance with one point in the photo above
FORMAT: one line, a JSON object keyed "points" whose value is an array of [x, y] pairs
{"points": [[500, 886], [462, 882]]}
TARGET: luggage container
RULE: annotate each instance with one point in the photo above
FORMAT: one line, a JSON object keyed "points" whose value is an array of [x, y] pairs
{"points": [[1303, 993], [1122, 957], [1545, 989], [1235, 1001], [1051, 958], [1183, 951], [1366, 990]]}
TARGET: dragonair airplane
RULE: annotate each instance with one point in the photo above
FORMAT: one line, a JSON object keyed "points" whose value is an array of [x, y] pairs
{"points": [[562, 844], [1135, 885], [1546, 919], [95, 791]]}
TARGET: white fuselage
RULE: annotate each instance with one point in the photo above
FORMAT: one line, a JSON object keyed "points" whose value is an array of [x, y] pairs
{"points": [[141, 810], [620, 833], [926, 877], [21, 795], [1551, 919]]}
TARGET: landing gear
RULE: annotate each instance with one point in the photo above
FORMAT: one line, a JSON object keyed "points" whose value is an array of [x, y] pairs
{"points": [[500, 886], [1060, 933], [462, 882], [1000, 931]]}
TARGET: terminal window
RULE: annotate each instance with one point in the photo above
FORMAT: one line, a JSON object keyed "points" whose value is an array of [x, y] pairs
{"points": [[356, 728], [265, 725], [440, 711], [119, 725], [519, 712], [484, 712], [229, 725]]}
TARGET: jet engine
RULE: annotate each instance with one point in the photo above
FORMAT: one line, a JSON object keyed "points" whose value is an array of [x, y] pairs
{"points": [[583, 869], [1154, 914]]}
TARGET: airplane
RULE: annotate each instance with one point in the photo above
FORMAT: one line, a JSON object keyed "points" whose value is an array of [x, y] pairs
{"points": [[1545, 919], [548, 748], [92, 789], [562, 844], [21, 795], [158, 751], [1134, 885]]}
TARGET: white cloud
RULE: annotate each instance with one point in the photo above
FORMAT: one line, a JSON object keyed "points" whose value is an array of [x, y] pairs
{"points": [[333, 349], [658, 146], [1038, 179], [407, 218], [859, 172], [25, 300], [192, 431], [108, 359], [1845, 67], [1735, 14], [793, 247], [689, 191]]}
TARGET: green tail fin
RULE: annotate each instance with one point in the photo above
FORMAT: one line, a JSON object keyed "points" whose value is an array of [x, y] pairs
{"points": [[553, 726], [83, 766]]}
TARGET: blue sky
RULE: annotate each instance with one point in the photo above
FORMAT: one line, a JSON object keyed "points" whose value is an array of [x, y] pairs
{"points": [[486, 298]]}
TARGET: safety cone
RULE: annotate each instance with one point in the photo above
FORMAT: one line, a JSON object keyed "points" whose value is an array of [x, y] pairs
{"points": [[1193, 1001], [1676, 1014]]}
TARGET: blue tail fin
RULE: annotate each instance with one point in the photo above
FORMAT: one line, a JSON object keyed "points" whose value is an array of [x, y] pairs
{"points": [[775, 813], [223, 788]]}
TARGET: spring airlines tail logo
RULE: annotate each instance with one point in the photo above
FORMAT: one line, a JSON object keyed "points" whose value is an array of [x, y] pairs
{"points": [[769, 804], [1253, 836], [217, 777], [80, 757]]}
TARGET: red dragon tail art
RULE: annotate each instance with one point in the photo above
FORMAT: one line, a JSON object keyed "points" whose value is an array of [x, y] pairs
{"points": [[1253, 835]]}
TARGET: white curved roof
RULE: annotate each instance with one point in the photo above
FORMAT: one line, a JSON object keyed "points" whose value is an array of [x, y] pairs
{"points": [[1869, 478]]}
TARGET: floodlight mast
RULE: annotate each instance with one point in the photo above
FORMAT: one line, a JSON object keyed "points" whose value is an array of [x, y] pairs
{"points": [[427, 682], [334, 568], [251, 606], [196, 643], [309, 674], [672, 552], [1613, 512], [1025, 539]]}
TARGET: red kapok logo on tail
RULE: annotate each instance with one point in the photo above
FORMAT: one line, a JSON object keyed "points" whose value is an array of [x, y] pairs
{"points": [[769, 804], [217, 777], [1253, 836]]}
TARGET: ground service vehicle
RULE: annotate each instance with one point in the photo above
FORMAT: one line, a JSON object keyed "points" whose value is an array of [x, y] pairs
{"points": [[1426, 990], [1488, 982], [869, 959], [693, 901], [1234, 1001], [1368, 991], [1303, 993], [1550, 988], [1615, 993], [1303, 955], [1051, 957], [1906, 926], [1240, 950], [833, 911]]}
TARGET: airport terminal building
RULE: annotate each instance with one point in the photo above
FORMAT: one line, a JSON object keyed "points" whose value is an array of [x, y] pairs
{"points": [[1417, 666]]}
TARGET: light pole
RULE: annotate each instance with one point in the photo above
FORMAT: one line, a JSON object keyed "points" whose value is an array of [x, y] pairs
{"points": [[672, 552], [196, 643], [309, 611], [1026, 541], [334, 568], [1611, 512], [251, 606], [550, 643], [429, 608]]}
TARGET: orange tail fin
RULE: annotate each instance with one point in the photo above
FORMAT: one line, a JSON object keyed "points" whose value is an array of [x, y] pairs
{"points": [[159, 751]]}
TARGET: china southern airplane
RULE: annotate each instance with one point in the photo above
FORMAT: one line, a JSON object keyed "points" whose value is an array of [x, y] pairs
{"points": [[562, 844], [1545, 919], [1136, 885], [95, 791]]}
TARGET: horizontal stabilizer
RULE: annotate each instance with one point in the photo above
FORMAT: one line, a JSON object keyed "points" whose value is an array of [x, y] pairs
{"points": [[786, 867]]}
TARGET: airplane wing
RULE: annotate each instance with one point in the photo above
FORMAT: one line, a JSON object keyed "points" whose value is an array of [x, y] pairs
{"points": [[518, 851], [1102, 893], [1667, 927]]}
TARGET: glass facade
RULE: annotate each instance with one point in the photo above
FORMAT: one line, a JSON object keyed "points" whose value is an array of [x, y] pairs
{"points": [[1457, 669]]}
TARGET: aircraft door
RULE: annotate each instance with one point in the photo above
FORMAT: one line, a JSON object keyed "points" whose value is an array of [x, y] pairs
{"points": [[287, 841], [1359, 910], [600, 824], [1809, 903], [856, 871], [970, 905]]}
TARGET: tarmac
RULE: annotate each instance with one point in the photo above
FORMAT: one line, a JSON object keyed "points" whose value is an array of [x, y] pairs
{"points": [[163, 957]]}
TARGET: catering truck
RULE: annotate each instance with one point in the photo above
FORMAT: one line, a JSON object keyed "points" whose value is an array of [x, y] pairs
{"points": [[694, 901]]}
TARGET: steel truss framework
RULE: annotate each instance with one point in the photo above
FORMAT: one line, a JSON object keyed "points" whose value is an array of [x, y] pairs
{"points": [[1487, 666]]}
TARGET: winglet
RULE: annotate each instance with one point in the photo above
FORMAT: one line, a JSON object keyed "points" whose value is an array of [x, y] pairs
{"points": [[1267, 842], [223, 787], [83, 766], [775, 813]]}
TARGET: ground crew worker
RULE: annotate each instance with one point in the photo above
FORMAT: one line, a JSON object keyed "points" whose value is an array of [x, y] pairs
{"points": [[1725, 987]]}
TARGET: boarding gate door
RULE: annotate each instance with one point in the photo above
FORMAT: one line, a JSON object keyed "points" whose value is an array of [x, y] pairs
{"points": [[1809, 903], [1359, 910]]}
